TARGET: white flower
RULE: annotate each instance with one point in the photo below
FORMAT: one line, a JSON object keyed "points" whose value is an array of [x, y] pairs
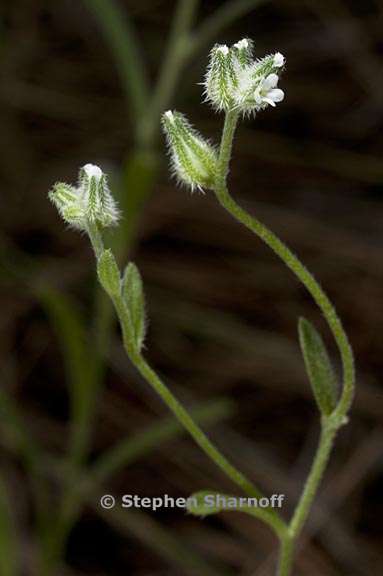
{"points": [[92, 170], [90, 202], [268, 93], [194, 160], [279, 60]]}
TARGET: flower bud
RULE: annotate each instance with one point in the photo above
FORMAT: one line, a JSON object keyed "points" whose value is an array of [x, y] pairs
{"points": [[89, 202], [194, 160], [98, 202], [66, 200], [221, 77], [243, 52]]}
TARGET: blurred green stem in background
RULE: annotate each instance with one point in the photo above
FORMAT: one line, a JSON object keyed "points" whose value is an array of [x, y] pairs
{"points": [[338, 417], [88, 484], [120, 35]]}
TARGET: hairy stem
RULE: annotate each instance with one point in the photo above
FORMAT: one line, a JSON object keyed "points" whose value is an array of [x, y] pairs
{"points": [[291, 262], [184, 417], [332, 423]]}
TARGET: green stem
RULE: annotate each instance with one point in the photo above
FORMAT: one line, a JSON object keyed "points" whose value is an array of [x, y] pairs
{"points": [[95, 238], [226, 13], [201, 439], [182, 415], [285, 560], [291, 262], [303, 507], [174, 60], [194, 430], [176, 407], [326, 441], [167, 396], [121, 37], [332, 423]]}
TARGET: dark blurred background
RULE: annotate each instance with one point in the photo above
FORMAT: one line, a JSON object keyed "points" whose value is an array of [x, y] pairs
{"points": [[222, 309]]}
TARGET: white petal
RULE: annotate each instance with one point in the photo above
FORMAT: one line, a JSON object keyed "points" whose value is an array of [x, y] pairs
{"points": [[257, 97], [169, 115], [244, 43], [276, 95], [270, 82], [269, 101], [224, 49], [279, 60], [92, 170]]}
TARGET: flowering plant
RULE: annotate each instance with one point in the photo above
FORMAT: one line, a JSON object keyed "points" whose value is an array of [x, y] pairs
{"points": [[237, 85]]}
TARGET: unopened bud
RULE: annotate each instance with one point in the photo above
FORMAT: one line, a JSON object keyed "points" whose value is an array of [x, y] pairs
{"points": [[194, 160], [90, 202]]}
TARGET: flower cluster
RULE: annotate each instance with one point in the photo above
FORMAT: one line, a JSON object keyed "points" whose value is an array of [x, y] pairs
{"points": [[91, 202], [235, 81], [194, 159]]}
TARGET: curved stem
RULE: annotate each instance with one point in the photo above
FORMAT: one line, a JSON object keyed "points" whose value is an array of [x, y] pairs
{"points": [[183, 415], [120, 34], [201, 439], [174, 60], [291, 262], [227, 13], [332, 423]]}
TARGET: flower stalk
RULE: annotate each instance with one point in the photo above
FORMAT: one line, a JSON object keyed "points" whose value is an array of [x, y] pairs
{"points": [[239, 86], [331, 423]]}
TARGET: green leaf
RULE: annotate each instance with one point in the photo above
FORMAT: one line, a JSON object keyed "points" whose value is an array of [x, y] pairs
{"points": [[133, 295], [108, 273], [318, 366]]}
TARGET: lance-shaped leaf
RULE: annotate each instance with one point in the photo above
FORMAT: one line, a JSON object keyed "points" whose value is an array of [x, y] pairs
{"points": [[133, 295], [318, 366], [109, 274]]}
